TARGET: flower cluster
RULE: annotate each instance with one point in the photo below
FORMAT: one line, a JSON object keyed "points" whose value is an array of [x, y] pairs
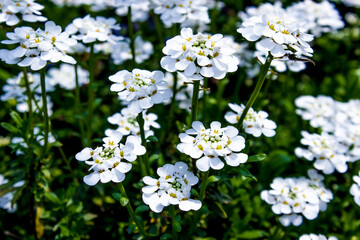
{"points": [[355, 189], [340, 139], [64, 76], [5, 199], [28, 9], [255, 123], [127, 124], [211, 145], [199, 55], [294, 197], [89, 29], [313, 236], [36, 47], [173, 187], [107, 162], [140, 88], [15, 89]]}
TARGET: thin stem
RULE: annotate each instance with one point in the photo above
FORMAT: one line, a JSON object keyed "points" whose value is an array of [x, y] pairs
{"points": [[45, 111], [159, 28], [203, 185], [91, 94], [131, 35], [77, 104], [255, 93], [131, 211], [141, 122], [195, 100], [204, 99], [29, 95], [238, 84], [68, 164], [173, 222], [173, 99]]}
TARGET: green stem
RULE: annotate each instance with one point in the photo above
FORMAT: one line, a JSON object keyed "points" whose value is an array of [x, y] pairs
{"points": [[173, 222], [203, 186], [77, 105], [204, 100], [173, 99], [264, 70], [68, 164], [91, 94], [141, 121], [131, 211], [29, 95], [131, 35], [238, 84], [195, 100], [159, 28], [45, 111]]}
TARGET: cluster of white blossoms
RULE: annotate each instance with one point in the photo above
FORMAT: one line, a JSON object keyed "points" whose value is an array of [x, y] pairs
{"points": [[107, 162], [339, 141], [37, 47], [198, 56], [128, 125], [255, 123], [121, 51], [64, 76], [313, 236], [294, 197], [5, 199], [211, 145], [185, 12], [184, 90], [140, 88], [173, 187], [90, 30], [27, 10], [15, 89], [355, 189]]}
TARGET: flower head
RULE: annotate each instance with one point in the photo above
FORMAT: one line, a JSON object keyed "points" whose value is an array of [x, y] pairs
{"points": [[173, 187], [211, 145]]}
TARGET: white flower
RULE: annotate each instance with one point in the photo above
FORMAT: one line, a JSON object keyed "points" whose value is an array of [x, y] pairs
{"points": [[198, 56], [355, 189], [173, 187], [140, 88], [107, 162], [29, 11], [293, 198], [64, 76], [5, 200], [121, 51], [127, 124], [255, 123], [38, 47], [139, 9], [313, 236], [351, 3], [211, 145], [89, 30], [279, 33]]}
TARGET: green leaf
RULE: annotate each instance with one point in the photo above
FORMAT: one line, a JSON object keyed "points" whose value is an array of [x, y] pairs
{"points": [[177, 224], [10, 127], [212, 179], [56, 144], [141, 208], [154, 157], [117, 196], [89, 217], [257, 158], [124, 201], [152, 139], [166, 236], [246, 173], [253, 234], [16, 117], [52, 197]]}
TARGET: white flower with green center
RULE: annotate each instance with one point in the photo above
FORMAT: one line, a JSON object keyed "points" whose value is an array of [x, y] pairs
{"points": [[255, 123], [212, 145], [107, 162], [173, 187], [198, 56], [279, 33], [140, 88]]}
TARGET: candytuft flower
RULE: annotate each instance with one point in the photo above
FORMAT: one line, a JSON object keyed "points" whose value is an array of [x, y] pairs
{"points": [[212, 145], [173, 187]]}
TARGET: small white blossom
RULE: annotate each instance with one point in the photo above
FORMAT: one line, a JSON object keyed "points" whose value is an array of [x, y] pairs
{"points": [[173, 187], [313, 236], [293, 198], [5, 200], [27, 10], [355, 189], [212, 145], [140, 88], [255, 123], [107, 162], [351, 3], [198, 56]]}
